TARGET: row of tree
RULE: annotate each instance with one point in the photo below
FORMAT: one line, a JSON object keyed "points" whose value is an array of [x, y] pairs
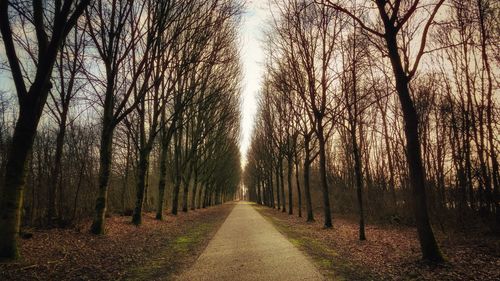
{"points": [[391, 104], [121, 105]]}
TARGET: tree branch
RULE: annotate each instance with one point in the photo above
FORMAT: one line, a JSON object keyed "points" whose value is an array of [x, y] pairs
{"points": [[424, 39], [10, 51], [341, 9]]}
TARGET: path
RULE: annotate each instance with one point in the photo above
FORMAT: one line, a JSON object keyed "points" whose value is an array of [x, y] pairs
{"points": [[248, 247]]}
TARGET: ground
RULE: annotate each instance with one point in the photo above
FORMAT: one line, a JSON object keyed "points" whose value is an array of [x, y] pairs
{"points": [[391, 252], [245, 241], [156, 250], [247, 248]]}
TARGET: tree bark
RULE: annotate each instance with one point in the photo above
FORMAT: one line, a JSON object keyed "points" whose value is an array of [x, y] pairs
{"points": [[289, 179], [428, 244], [324, 181], [177, 163], [162, 182], [105, 159], [359, 183], [297, 181], [307, 166], [282, 185], [31, 104], [278, 186], [15, 174], [56, 171], [141, 184], [195, 189]]}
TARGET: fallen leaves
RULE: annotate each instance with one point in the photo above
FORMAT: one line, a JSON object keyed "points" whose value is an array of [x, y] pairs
{"points": [[76, 254], [393, 252]]}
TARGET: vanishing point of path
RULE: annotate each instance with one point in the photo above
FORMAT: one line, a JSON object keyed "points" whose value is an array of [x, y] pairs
{"points": [[248, 247]]}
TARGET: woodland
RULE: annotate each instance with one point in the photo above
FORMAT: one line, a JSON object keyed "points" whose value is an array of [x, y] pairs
{"points": [[377, 120], [381, 110], [119, 107]]}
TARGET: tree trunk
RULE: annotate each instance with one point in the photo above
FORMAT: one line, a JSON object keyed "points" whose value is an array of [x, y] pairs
{"points": [[126, 176], [56, 171], [271, 188], [392, 181], [278, 189], [322, 172], [307, 190], [195, 189], [359, 183], [282, 185], [141, 184], [14, 181], [185, 195], [428, 244], [177, 170], [162, 182], [297, 181], [200, 196], [104, 171], [289, 179], [175, 198]]}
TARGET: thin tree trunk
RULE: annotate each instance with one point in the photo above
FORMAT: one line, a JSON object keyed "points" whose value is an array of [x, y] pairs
{"points": [[282, 186], [392, 182], [278, 189], [126, 176], [177, 175], [307, 190], [104, 172], [322, 172], [297, 181], [200, 196], [195, 189], [359, 183], [141, 184], [185, 195], [162, 182], [289, 179], [56, 171], [270, 182]]}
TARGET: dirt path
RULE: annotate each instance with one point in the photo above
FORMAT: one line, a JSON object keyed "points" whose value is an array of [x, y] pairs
{"points": [[248, 247]]}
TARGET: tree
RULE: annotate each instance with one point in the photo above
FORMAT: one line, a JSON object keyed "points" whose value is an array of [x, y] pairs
{"points": [[395, 16], [68, 84], [307, 36], [115, 31], [62, 16]]}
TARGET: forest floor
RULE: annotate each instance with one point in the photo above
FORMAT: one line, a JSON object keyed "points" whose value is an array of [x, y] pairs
{"points": [[155, 250], [391, 252]]}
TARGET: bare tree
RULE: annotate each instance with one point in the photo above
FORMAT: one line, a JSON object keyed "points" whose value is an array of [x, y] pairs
{"points": [[394, 17], [52, 23]]}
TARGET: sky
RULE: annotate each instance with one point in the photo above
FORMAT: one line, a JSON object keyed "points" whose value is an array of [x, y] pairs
{"points": [[254, 20], [252, 57]]}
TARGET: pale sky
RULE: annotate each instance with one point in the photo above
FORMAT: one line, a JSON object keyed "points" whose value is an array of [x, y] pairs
{"points": [[252, 56], [254, 20]]}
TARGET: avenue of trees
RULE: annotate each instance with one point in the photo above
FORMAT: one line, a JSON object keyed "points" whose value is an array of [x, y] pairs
{"points": [[115, 106], [381, 108]]}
